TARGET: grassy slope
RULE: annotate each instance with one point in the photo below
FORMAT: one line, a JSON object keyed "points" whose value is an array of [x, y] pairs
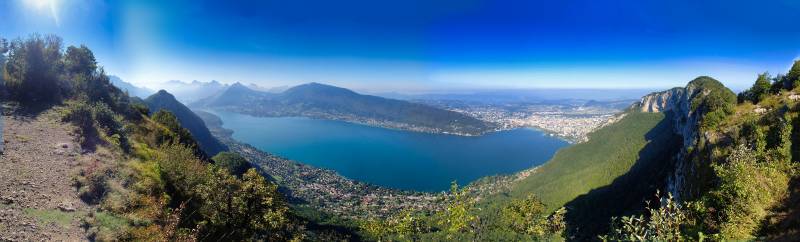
{"points": [[617, 168], [609, 153]]}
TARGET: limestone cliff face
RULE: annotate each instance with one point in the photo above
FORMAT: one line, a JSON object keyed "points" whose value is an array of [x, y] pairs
{"points": [[677, 104]]}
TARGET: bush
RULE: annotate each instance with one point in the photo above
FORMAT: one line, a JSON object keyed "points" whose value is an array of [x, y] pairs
{"points": [[662, 224], [89, 117], [526, 216], [93, 184], [106, 118], [747, 190], [80, 115]]}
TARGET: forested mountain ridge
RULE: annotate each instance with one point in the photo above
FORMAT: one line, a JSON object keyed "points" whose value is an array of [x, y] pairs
{"points": [[328, 102], [188, 119]]}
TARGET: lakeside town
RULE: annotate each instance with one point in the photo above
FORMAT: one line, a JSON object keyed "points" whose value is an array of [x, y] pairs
{"points": [[572, 122]]}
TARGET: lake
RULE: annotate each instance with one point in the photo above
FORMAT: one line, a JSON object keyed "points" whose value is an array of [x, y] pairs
{"points": [[394, 158]]}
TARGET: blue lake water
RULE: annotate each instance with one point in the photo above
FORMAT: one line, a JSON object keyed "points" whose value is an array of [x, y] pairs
{"points": [[394, 158]]}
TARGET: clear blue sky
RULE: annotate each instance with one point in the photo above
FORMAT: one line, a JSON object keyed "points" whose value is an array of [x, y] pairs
{"points": [[412, 45]]}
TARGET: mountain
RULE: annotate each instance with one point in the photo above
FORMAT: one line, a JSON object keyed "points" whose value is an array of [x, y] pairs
{"points": [[234, 95], [130, 88], [728, 164], [329, 102], [188, 119], [188, 92]]}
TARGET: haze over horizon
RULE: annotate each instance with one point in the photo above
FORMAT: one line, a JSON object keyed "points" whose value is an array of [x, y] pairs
{"points": [[409, 46]]}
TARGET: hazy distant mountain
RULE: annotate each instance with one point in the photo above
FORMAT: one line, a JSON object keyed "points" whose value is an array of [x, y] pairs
{"points": [[130, 88], [236, 94], [188, 92], [330, 102], [189, 120], [277, 89], [545, 95]]}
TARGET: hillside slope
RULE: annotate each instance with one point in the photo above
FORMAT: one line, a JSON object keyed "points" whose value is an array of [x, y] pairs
{"points": [[188, 119], [328, 102], [620, 166]]}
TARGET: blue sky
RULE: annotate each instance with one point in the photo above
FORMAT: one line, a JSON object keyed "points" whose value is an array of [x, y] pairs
{"points": [[418, 45]]}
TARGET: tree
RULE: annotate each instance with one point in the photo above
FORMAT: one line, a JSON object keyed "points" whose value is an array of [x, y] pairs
{"points": [[238, 210], [457, 217], [33, 69], [233, 162], [3, 50], [795, 139], [793, 77], [760, 88], [526, 216], [79, 63]]}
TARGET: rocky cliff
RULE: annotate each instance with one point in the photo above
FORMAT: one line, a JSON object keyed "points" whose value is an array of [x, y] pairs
{"points": [[681, 106]]}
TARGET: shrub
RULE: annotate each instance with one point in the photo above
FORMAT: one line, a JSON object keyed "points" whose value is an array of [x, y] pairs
{"points": [[662, 224], [93, 183], [526, 216], [748, 189], [80, 114]]}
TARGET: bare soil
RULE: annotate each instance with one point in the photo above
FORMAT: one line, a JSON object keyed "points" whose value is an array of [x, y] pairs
{"points": [[38, 201]]}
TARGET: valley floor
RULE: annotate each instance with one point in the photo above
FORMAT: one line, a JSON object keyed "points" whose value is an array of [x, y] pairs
{"points": [[37, 198]]}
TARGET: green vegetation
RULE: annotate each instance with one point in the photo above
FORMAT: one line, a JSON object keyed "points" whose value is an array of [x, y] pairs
{"points": [[462, 220], [759, 91], [33, 68], [620, 165], [188, 119], [577, 169], [234, 163], [714, 102], [662, 224], [52, 216]]}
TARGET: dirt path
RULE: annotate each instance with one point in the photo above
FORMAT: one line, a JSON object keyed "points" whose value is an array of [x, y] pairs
{"points": [[37, 199]]}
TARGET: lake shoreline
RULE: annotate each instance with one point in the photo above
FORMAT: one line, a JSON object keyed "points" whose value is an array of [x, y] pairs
{"points": [[390, 157]]}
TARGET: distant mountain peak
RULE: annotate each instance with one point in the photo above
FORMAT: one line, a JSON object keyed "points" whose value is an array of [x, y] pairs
{"points": [[319, 88], [129, 87], [163, 92]]}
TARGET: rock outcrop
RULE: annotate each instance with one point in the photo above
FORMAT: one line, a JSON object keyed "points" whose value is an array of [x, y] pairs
{"points": [[677, 103]]}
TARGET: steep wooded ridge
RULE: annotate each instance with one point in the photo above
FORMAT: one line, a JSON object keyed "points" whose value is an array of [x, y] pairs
{"points": [[162, 100], [328, 102]]}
